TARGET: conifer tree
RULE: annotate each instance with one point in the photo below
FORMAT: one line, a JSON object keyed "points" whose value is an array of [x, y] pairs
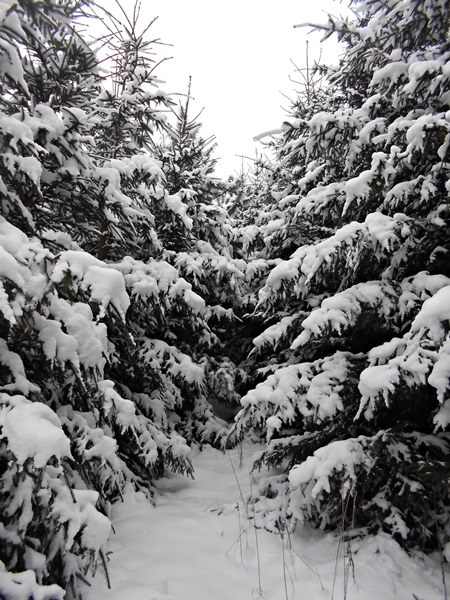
{"points": [[48, 83], [51, 524], [202, 250], [96, 326], [188, 164], [354, 395]]}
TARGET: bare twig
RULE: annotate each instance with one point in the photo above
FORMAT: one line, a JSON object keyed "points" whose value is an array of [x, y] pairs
{"points": [[256, 536]]}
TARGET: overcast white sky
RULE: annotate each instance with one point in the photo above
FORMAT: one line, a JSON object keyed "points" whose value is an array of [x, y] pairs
{"points": [[238, 53]]}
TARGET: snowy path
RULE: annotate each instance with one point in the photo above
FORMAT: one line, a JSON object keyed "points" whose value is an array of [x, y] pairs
{"points": [[188, 548]]}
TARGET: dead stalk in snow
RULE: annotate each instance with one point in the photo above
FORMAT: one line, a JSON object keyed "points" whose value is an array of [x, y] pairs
{"points": [[256, 535], [344, 545], [249, 518]]}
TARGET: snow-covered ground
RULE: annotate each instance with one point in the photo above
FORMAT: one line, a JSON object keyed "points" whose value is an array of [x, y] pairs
{"points": [[197, 544]]}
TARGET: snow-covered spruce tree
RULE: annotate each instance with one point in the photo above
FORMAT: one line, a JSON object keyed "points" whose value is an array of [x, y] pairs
{"points": [[174, 285], [201, 250], [355, 401], [249, 199], [66, 178], [129, 112], [48, 82], [94, 378], [51, 530], [188, 164], [267, 230]]}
